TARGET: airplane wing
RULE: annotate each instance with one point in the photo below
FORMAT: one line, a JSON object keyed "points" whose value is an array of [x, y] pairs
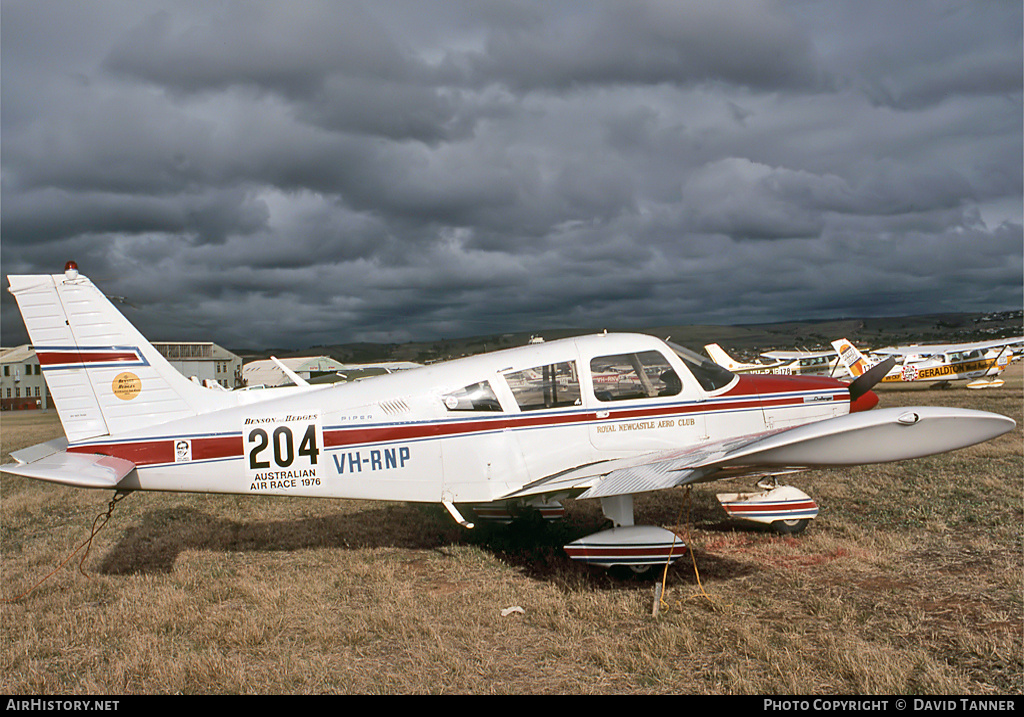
{"points": [[763, 368], [48, 461], [878, 436], [945, 348]]}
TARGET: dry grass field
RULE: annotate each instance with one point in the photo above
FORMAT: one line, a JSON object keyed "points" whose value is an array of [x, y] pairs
{"points": [[910, 581]]}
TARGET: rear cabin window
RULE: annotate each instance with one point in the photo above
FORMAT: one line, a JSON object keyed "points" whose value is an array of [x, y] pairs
{"points": [[549, 386], [475, 397], [641, 375]]}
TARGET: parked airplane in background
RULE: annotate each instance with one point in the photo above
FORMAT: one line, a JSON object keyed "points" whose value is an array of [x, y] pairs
{"points": [[719, 356], [812, 363], [787, 363], [977, 363], [529, 425]]}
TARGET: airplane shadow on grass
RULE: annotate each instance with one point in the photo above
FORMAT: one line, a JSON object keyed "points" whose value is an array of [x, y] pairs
{"points": [[530, 544], [153, 545]]}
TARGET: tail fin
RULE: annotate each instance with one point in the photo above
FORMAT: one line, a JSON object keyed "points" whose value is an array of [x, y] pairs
{"points": [[849, 355], [104, 377], [719, 356]]}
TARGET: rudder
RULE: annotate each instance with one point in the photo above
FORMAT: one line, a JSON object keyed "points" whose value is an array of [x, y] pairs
{"points": [[720, 357]]}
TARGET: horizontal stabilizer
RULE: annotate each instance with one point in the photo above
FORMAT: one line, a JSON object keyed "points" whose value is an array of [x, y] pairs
{"points": [[40, 450], [82, 470]]}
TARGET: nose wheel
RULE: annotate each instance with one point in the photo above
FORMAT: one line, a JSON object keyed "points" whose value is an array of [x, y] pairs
{"points": [[791, 526], [786, 509]]}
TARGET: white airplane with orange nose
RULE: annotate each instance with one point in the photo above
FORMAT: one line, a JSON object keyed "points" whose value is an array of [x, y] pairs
{"points": [[604, 417]]}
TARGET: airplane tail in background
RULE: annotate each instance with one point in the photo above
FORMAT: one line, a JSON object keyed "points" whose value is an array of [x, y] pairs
{"points": [[719, 356], [104, 376], [851, 357]]}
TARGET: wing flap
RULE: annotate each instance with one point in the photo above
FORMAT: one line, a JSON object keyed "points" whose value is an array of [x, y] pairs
{"points": [[82, 470]]}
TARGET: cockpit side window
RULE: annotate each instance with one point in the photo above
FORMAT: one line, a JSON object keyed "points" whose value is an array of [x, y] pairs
{"points": [[636, 375], [709, 375], [549, 386], [475, 397]]}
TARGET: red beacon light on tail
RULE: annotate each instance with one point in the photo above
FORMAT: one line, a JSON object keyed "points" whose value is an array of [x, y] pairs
{"points": [[71, 270]]}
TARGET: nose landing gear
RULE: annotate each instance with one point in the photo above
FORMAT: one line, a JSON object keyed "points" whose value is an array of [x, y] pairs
{"points": [[786, 509]]}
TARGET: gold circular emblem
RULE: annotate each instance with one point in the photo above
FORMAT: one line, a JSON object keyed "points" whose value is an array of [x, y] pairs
{"points": [[126, 386]]}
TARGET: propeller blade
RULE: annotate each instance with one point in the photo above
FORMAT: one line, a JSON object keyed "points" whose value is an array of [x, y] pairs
{"points": [[866, 381]]}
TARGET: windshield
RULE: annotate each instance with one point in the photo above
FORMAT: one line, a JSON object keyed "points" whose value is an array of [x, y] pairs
{"points": [[709, 375]]}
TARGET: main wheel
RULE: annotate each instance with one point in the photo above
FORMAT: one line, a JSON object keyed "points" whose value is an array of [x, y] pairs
{"points": [[631, 572], [645, 569], [790, 527]]}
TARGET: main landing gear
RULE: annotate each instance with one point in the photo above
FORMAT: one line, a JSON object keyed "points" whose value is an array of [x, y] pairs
{"points": [[639, 548]]}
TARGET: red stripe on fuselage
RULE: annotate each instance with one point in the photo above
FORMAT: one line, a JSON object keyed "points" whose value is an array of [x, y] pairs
{"points": [[746, 394], [151, 452], [763, 384]]}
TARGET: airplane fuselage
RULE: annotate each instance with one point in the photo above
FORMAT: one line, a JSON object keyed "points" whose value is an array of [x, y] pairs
{"points": [[945, 368], [469, 430]]}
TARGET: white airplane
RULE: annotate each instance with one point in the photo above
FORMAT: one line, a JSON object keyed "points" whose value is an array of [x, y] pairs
{"points": [[978, 363], [520, 426], [787, 363], [722, 358], [812, 363]]}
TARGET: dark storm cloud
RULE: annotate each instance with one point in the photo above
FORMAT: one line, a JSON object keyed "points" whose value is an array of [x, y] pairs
{"points": [[741, 43], [261, 173], [290, 49], [926, 53]]}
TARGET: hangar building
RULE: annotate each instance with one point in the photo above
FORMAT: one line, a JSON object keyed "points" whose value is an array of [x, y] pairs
{"points": [[21, 380], [266, 373], [204, 360]]}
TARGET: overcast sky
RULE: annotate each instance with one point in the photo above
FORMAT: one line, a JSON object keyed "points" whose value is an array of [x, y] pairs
{"points": [[288, 174]]}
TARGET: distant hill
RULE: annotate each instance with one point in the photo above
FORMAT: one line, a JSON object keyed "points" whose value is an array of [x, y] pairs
{"points": [[743, 340]]}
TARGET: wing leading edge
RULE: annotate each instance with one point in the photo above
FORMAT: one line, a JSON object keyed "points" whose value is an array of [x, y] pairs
{"points": [[879, 436]]}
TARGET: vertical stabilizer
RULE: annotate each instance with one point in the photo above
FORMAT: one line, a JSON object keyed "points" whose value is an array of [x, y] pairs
{"points": [[851, 357], [104, 376], [719, 356]]}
